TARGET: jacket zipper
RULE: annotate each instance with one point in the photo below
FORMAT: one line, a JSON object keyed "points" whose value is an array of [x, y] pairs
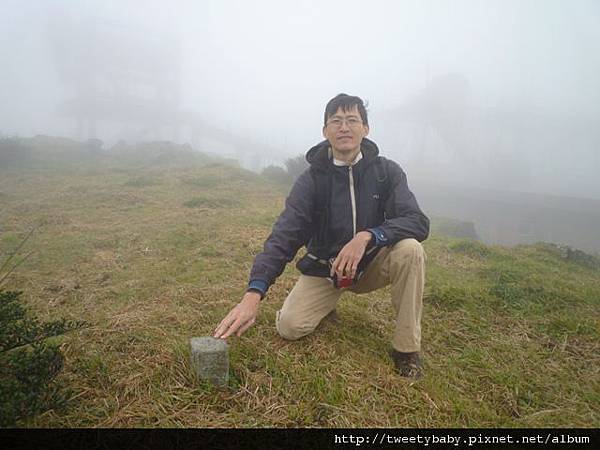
{"points": [[352, 199]]}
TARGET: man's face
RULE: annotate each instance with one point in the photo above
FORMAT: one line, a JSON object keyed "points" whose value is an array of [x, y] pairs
{"points": [[345, 130]]}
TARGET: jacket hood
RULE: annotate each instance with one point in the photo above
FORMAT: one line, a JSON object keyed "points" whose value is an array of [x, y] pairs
{"points": [[318, 156]]}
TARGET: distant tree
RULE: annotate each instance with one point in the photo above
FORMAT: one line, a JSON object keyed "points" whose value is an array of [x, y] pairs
{"points": [[456, 228], [12, 151], [93, 145], [295, 166], [276, 174]]}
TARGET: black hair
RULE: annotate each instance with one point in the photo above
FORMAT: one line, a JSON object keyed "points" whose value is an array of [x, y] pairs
{"points": [[346, 102]]}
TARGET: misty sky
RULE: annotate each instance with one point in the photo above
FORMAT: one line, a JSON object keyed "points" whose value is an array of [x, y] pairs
{"points": [[500, 94]]}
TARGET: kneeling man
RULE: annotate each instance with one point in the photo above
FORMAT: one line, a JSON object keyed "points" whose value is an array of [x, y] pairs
{"points": [[362, 229]]}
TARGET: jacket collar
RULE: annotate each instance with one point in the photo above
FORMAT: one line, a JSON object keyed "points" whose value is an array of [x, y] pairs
{"points": [[338, 162], [319, 157]]}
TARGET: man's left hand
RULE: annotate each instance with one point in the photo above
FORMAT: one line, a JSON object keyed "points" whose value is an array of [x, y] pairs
{"points": [[346, 262]]}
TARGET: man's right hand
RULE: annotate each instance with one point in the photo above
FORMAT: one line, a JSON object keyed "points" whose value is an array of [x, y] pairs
{"points": [[240, 318]]}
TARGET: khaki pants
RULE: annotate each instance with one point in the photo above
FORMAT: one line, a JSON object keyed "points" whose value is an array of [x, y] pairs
{"points": [[401, 265]]}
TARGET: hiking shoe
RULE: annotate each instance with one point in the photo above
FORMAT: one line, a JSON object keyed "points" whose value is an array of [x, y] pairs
{"points": [[408, 365]]}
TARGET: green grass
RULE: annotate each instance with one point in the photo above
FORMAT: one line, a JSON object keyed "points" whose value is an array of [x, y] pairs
{"points": [[151, 257]]}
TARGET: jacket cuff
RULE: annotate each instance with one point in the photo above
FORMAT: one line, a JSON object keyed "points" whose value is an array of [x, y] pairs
{"points": [[259, 286], [381, 240]]}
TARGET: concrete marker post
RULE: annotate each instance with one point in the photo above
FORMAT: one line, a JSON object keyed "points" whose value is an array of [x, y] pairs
{"points": [[210, 359]]}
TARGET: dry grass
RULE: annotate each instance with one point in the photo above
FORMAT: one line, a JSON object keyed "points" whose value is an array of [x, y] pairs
{"points": [[150, 260]]}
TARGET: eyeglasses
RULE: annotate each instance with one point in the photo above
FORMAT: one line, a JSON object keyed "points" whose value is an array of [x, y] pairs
{"points": [[337, 122]]}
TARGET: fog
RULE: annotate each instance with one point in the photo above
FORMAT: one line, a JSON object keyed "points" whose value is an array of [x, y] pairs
{"points": [[495, 94]]}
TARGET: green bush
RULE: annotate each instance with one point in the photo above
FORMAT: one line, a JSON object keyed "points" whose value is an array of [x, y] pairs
{"points": [[28, 362]]}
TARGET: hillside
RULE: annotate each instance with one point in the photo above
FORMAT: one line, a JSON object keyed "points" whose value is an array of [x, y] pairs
{"points": [[152, 255], [510, 218]]}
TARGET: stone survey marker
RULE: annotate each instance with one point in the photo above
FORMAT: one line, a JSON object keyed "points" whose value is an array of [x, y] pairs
{"points": [[210, 359]]}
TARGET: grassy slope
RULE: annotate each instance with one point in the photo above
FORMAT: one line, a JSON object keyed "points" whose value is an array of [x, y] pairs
{"points": [[153, 257]]}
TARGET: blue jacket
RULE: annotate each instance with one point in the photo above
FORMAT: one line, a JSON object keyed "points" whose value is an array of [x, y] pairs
{"points": [[390, 217]]}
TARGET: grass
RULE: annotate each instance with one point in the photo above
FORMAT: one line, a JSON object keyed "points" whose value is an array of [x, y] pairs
{"points": [[151, 257]]}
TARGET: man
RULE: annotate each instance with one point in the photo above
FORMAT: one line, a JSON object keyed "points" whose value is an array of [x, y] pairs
{"points": [[362, 228]]}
